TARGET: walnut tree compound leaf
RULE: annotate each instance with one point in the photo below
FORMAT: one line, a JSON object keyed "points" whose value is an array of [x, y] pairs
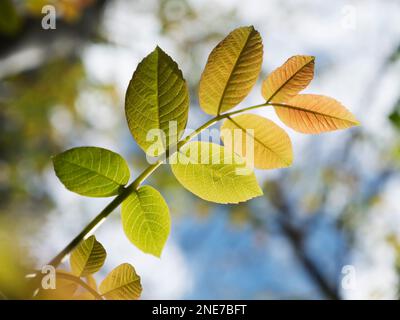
{"points": [[288, 80], [92, 171], [145, 220], [122, 283], [157, 95], [310, 113], [214, 173], [231, 70], [272, 145], [88, 257]]}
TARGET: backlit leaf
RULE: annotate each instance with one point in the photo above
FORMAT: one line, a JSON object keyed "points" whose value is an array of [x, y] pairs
{"points": [[394, 116], [214, 173], [231, 70], [310, 113], [157, 94], [91, 281], [146, 220], [288, 80], [272, 146], [92, 171], [122, 283], [88, 257], [64, 290]]}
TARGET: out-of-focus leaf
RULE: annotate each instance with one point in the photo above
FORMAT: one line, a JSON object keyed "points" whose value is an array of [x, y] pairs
{"points": [[10, 21], [68, 10], [146, 220], [13, 264], [122, 283], [73, 10], [393, 240], [289, 79], [395, 55], [157, 95], [310, 113], [272, 145], [88, 257], [394, 116], [214, 173], [231, 70], [92, 171]]}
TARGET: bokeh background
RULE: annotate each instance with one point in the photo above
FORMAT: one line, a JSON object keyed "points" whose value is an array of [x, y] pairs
{"points": [[337, 207]]}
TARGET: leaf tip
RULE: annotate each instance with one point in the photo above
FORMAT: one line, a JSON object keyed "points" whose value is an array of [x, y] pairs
{"points": [[309, 59], [354, 122], [91, 237], [251, 29], [157, 255], [156, 252], [54, 157], [289, 162], [158, 49]]}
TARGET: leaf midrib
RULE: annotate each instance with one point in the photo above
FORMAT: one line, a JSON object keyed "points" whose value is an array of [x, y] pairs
{"points": [[87, 258], [231, 74], [288, 106], [157, 88], [144, 212], [289, 79], [121, 286], [91, 170], [258, 140]]}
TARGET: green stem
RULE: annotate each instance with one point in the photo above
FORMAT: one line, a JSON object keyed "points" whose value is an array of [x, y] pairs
{"points": [[89, 229], [258, 106]]}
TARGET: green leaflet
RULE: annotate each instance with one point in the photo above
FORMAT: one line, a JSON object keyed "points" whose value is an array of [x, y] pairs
{"points": [[157, 95], [146, 220], [122, 283], [92, 171], [196, 167], [88, 257]]}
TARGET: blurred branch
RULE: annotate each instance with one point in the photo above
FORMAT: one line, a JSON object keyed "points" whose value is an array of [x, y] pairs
{"points": [[296, 237]]}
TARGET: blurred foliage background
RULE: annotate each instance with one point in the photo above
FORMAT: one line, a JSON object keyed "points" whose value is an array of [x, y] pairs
{"points": [[338, 205]]}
